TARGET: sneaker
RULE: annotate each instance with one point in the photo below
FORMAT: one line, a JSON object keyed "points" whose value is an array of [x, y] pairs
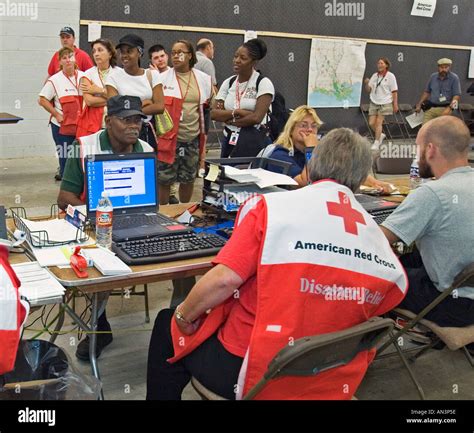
{"points": [[173, 200], [376, 145], [103, 340], [58, 176]]}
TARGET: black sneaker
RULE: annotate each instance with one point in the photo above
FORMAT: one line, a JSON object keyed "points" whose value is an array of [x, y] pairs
{"points": [[103, 340], [173, 200]]}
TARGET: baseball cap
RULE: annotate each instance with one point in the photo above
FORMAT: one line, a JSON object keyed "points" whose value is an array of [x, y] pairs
{"points": [[125, 106], [445, 61], [131, 40], [68, 30]]}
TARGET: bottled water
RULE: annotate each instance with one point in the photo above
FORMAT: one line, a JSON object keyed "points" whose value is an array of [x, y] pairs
{"points": [[415, 179], [103, 224]]}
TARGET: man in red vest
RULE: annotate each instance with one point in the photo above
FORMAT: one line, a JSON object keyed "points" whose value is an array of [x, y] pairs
{"points": [[83, 61], [299, 263]]}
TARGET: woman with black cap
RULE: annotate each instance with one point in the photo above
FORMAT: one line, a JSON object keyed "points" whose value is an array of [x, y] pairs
{"points": [[133, 80], [244, 99]]}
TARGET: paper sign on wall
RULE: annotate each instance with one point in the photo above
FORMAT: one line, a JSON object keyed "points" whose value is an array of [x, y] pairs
{"points": [[94, 31], [249, 34], [470, 74], [424, 8]]}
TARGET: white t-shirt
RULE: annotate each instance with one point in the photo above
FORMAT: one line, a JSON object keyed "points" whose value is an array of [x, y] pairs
{"points": [[248, 90], [133, 85], [382, 88], [70, 86]]}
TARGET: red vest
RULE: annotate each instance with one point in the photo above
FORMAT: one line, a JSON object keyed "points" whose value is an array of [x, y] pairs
{"points": [[174, 105], [12, 313], [323, 268]]}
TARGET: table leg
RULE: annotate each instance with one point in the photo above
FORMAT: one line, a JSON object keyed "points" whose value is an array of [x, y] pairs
{"points": [[181, 288], [59, 324]]}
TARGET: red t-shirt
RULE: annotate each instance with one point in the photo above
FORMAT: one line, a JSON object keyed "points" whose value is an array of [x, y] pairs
{"points": [[241, 254], [83, 61]]}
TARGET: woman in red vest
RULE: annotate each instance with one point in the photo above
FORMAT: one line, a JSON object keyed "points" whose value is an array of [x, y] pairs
{"points": [[93, 88], [60, 97], [291, 269]]}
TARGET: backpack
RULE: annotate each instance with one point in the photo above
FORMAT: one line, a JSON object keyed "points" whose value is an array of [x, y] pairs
{"points": [[277, 116]]}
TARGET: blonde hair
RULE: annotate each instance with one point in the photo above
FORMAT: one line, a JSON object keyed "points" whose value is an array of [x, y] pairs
{"points": [[284, 139]]}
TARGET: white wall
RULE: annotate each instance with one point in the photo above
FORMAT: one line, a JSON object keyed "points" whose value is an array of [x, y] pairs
{"points": [[26, 47]]}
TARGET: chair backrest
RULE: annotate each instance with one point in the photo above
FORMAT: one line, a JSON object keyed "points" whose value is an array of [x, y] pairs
{"points": [[309, 356], [405, 107]]}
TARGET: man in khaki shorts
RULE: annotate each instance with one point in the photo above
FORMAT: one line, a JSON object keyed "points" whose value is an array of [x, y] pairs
{"points": [[383, 90], [442, 92]]}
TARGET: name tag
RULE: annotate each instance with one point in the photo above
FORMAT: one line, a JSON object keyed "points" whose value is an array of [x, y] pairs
{"points": [[234, 137], [442, 98]]}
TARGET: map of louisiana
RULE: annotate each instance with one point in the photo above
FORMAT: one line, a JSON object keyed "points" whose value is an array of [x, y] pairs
{"points": [[336, 71]]}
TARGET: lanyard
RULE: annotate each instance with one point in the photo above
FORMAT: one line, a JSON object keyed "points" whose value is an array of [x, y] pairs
{"points": [[380, 82], [238, 95], [103, 75], [76, 86], [187, 86]]}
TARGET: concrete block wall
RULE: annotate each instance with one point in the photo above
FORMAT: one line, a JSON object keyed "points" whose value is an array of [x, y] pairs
{"points": [[26, 46]]}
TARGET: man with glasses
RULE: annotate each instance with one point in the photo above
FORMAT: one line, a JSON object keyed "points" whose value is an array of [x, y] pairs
{"points": [[123, 124]]}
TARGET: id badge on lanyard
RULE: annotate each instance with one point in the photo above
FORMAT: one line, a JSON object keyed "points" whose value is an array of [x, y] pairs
{"points": [[234, 137]]}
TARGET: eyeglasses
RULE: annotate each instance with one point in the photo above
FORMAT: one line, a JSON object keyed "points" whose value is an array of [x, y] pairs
{"points": [[131, 120], [304, 125], [178, 53]]}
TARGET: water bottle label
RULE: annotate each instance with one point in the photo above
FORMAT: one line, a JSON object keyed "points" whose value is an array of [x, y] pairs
{"points": [[104, 219]]}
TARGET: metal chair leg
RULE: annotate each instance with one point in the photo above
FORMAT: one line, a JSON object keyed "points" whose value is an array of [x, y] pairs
{"points": [[147, 309], [469, 357], [410, 372], [433, 343]]}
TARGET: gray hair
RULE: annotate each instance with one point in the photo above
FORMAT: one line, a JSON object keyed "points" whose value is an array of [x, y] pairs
{"points": [[342, 155]]}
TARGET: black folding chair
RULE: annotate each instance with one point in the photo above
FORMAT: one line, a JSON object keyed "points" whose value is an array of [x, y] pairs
{"points": [[453, 337], [309, 356]]}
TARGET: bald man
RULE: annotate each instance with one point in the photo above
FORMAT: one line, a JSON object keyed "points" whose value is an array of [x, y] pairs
{"points": [[438, 217], [205, 54]]}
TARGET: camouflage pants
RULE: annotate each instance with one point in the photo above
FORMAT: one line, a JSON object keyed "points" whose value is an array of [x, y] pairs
{"points": [[185, 166]]}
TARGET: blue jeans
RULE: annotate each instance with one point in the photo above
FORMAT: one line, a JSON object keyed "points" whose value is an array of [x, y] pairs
{"points": [[63, 144]]}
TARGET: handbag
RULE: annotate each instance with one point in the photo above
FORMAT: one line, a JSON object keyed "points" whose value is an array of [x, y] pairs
{"points": [[250, 142], [163, 122]]}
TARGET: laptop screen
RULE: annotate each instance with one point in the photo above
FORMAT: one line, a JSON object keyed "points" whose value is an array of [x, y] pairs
{"points": [[130, 180]]}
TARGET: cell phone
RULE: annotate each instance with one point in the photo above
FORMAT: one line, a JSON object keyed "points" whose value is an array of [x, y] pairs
{"points": [[308, 153]]}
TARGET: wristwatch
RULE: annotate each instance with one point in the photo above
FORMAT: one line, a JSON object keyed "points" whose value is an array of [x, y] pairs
{"points": [[179, 316]]}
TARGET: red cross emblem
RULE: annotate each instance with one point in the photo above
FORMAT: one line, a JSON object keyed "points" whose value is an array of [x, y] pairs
{"points": [[344, 210]]}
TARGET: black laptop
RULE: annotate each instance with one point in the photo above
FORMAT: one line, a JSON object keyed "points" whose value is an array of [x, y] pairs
{"points": [[131, 181], [377, 207]]}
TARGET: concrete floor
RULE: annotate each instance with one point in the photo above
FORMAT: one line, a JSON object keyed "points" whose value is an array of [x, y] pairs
{"points": [[29, 183]]}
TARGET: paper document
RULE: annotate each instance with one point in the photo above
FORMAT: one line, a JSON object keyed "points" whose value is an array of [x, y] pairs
{"points": [[259, 176], [213, 172], [36, 282], [424, 8], [415, 119], [106, 261], [59, 230]]}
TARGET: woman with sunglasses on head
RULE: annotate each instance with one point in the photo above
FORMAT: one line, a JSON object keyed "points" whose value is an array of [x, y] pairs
{"points": [[296, 143], [60, 97], [93, 88], [244, 99], [187, 90], [133, 80]]}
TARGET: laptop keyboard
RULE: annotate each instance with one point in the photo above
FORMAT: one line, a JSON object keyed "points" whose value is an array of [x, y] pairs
{"points": [[380, 216], [168, 248], [138, 220]]}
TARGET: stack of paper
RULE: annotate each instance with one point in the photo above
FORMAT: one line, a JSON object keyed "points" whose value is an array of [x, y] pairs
{"points": [[106, 261], [59, 230], [262, 178], [37, 283]]}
